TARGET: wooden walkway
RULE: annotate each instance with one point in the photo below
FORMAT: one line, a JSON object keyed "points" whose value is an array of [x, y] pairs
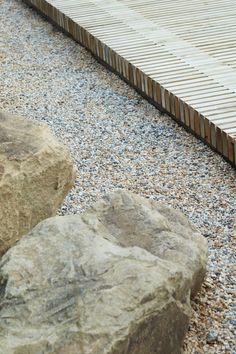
{"points": [[180, 54]]}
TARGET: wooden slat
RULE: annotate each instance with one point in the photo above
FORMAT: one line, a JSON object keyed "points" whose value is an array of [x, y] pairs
{"points": [[181, 54]]}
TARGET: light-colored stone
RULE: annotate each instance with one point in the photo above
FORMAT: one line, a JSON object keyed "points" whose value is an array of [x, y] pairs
{"points": [[163, 231], [36, 172], [115, 280]]}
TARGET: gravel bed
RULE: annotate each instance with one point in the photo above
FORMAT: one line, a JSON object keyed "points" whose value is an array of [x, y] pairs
{"points": [[117, 139]]}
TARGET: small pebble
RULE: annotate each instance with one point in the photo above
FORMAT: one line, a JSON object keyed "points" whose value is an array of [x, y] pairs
{"points": [[212, 337]]}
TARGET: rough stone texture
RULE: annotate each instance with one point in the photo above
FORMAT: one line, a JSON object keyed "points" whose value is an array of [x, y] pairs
{"points": [[115, 280], [36, 172]]}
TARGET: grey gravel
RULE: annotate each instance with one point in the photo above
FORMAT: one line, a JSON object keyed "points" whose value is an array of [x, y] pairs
{"points": [[212, 336], [117, 139]]}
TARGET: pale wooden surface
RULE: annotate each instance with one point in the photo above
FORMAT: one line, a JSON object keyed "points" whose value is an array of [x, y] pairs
{"points": [[182, 54]]}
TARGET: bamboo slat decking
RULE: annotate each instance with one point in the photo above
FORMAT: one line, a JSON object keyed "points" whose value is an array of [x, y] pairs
{"points": [[180, 54]]}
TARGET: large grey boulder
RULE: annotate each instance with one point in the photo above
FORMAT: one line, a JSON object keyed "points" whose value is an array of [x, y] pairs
{"points": [[36, 172], [114, 280]]}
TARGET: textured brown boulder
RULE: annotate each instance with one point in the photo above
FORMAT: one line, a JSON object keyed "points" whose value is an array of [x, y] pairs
{"points": [[36, 172], [115, 280]]}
